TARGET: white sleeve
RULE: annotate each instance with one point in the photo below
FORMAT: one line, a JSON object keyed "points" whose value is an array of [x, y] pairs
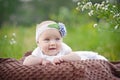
{"points": [[89, 55], [66, 49], [36, 52]]}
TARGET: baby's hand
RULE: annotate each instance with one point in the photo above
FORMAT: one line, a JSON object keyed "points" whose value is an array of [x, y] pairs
{"points": [[57, 60], [45, 62]]}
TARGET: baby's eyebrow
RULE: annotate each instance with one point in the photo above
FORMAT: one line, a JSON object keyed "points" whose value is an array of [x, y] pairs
{"points": [[46, 38]]}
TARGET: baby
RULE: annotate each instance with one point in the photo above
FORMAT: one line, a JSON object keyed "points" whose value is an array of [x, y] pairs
{"points": [[52, 49]]}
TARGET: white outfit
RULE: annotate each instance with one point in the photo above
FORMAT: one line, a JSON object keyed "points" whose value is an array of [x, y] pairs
{"points": [[66, 50], [89, 55]]}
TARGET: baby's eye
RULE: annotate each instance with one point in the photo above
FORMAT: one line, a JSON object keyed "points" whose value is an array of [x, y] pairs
{"points": [[57, 39], [47, 40]]}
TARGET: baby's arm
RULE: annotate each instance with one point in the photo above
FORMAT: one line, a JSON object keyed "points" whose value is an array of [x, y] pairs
{"points": [[32, 60], [68, 57], [80, 55]]}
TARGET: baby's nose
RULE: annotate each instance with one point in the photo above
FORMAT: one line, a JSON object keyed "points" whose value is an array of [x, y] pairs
{"points": [[52, 42]]}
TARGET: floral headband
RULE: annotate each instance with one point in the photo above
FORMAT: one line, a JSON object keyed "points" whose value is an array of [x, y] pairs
{"points": [[60, 27]]}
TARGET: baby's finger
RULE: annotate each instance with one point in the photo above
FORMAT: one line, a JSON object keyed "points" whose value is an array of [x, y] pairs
{"points": [[40, 61], [61, 60], [56, 61]]}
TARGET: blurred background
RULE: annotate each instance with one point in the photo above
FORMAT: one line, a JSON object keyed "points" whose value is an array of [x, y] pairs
{"points": [[18, 19]]}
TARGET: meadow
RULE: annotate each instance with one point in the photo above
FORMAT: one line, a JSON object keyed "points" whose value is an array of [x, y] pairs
{"points": [[15, 41]]}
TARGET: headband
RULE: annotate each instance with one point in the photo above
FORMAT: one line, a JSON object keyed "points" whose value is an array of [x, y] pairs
{"points": [[60, 27]]}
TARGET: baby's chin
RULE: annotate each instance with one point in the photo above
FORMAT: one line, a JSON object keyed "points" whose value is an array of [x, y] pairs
{"points": [[53, 53]]}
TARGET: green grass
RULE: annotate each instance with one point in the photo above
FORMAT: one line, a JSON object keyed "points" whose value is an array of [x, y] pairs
{"points": [[24, 38], [87, 38], [83, 37]]}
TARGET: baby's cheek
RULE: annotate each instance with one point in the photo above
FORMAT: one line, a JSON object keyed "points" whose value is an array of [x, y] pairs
{"points": [[59, 46], [44, 49]]}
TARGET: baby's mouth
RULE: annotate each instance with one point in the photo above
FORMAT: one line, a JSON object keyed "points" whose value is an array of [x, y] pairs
{"points": [[52, 48]]}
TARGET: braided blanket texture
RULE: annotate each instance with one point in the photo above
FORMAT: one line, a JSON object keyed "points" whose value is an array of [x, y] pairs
{"points": [[12, 69]]}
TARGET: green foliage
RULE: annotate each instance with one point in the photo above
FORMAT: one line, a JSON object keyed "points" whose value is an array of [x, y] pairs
{"points": [[104, 11], [7, 7], [15, 41], [29, 12]]}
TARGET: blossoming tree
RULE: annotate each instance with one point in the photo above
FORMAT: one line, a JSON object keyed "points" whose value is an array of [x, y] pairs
{"points": [[105, 11]]}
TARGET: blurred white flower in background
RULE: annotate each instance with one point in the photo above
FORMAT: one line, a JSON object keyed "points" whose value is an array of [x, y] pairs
{"points": [[95, 25], [13, 34], [5, 36], [11, 39]]}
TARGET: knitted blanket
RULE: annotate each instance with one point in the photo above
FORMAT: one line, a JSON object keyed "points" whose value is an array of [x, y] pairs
{"points": [[12, 69]]}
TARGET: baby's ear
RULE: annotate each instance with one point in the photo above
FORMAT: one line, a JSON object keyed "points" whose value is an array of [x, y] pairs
{"points": [[37, 43]]}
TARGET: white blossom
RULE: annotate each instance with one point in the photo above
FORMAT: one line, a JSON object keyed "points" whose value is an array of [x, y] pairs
{"points": [[98, 6], [12, 41], [77, 8], [13, 34], [103, 3], [112, 12], [95, 4], [107, 1], [105, 8], [5, 36], [87, 6], [95, 25], [116, 15], [90, 13], [116, 27], [114, 6], [83, 7], [78, 3]]}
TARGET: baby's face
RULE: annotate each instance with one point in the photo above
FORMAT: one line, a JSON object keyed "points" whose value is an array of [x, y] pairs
{"points": [[50, 42]]}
